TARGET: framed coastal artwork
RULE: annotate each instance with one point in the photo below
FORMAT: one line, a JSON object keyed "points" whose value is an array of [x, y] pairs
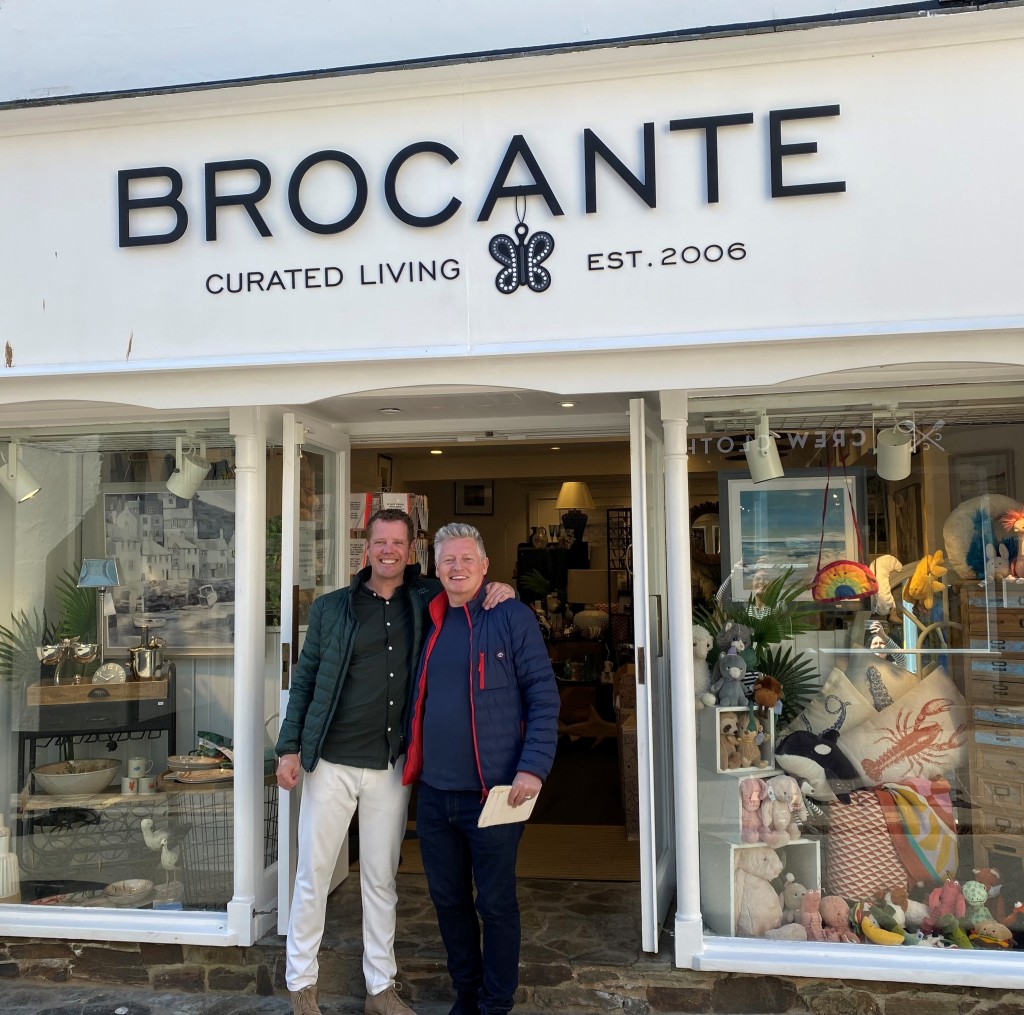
{"points": [[771, 526]]}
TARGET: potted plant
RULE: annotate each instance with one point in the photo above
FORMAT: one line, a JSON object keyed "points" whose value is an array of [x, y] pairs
{"points": [[775, 613]]}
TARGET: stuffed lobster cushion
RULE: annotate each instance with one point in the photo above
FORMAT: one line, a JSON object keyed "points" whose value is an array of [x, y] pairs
{"points": [[923, 734], [878, 680], [837, 706]]}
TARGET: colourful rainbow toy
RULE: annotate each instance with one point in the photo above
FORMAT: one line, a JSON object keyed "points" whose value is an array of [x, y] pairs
{"points": [[843, 579]]}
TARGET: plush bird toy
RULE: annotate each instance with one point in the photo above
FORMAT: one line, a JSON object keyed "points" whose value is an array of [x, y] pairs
{"points": [[925, 581]]}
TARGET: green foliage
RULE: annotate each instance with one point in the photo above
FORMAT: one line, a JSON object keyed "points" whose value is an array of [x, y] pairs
{"points": [[535, 585], [18, 644], [798, 676], [78, 609], [19, 660], [781, 616]]}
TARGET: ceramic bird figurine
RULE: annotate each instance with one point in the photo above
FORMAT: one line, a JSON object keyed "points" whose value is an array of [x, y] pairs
{"points": [[154, 838], [169, 860]]}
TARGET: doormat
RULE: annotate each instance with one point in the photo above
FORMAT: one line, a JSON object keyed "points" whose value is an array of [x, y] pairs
{"points": [[561, 853]]}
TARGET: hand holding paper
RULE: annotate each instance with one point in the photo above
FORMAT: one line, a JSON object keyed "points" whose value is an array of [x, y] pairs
{"points": [[498, 811]]}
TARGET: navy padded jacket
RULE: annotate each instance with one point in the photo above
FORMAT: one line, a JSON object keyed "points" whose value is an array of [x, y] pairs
{"points": [[513, 695]]}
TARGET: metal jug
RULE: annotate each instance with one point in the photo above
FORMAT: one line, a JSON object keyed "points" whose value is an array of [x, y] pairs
{"points": [[148, 659]]}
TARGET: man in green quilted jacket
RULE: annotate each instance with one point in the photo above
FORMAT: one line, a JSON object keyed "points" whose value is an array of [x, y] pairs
{"points": [[343, 726]]}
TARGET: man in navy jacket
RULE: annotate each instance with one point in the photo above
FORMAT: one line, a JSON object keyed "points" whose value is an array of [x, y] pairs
{"points": [[484, 714]]}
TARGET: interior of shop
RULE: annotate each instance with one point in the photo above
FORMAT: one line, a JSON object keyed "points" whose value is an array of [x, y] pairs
{"points": [[904, 667]]}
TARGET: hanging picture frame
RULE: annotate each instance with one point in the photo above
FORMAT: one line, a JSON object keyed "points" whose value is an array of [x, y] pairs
{"points": [[474, 497], [778, 524]]}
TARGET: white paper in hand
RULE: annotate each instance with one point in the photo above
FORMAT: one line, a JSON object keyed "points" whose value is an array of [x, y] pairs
{"points": [[498, 811]]}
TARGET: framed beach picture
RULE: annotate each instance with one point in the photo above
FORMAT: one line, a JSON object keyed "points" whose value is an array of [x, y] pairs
{"points": [[177, 562], [767, 527]]}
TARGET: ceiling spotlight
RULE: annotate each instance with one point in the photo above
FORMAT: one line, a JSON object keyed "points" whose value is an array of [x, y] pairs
{"points": [[437, 451], [893, 448], [567, 405], [762, 453], [190, 469], [15, 478], [556, 448]]}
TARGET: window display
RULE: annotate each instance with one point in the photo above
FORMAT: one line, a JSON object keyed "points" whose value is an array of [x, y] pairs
{"points": [[858, 745], [118, 599]]}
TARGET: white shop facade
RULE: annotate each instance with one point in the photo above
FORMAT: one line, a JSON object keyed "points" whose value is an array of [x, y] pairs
{"points": [[820, 227]]}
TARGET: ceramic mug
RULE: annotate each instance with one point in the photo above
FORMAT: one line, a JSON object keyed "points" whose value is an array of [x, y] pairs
{"points": [[129, 785], [147, 784], [139, 767]]}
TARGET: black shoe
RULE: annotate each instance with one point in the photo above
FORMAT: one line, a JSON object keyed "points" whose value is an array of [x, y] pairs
{"points": [[465, 1004]]}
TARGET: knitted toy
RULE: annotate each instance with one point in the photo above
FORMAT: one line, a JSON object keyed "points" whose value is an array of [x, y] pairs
{"points": [[810, 915], [835, 918], [991, 934], [975, 897], [993, 882], [702, 642], [947, 900]]}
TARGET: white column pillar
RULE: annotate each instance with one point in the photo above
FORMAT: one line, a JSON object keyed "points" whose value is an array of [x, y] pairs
{"points": [[248, 428], [688, 923]]}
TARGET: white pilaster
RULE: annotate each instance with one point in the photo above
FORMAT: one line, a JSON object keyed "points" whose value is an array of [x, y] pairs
{"points": [[688, 923], [248, 428]]}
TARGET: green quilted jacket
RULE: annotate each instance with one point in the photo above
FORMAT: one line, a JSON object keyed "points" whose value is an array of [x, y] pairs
{"points": [[319, 675]]}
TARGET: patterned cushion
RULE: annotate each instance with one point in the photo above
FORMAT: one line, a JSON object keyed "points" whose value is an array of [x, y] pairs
{"points": [[837, 706], [923, 734], [862, 862], [878, 680]]}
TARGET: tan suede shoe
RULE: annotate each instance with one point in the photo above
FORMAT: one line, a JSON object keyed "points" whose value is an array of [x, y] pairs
{"points": [[305, 1001], [387, 1002]]}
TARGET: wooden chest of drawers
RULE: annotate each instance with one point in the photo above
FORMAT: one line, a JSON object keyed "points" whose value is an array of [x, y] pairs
{"points": [[993, 619]]}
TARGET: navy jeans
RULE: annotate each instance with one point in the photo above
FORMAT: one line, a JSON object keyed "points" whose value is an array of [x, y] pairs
{"points": [[456, 854]]}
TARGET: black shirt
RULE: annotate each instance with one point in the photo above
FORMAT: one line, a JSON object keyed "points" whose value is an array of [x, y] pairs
{"points": [[366, 731]]}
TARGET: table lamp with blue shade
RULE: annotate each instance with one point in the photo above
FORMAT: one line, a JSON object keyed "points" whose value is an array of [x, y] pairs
{"points": [[100, 573]]}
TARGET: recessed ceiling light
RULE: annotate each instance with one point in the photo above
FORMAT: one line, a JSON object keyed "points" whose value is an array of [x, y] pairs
{"points": [[436, 451], [556, 448], [390, 409], [568, 405]]}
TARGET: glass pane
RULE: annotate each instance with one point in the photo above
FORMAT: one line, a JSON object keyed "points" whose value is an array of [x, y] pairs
{"points": [[862, 744], [117, 682]]}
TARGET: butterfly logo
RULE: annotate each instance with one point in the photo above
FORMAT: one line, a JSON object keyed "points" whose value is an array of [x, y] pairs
{"points": [[522, 258]]}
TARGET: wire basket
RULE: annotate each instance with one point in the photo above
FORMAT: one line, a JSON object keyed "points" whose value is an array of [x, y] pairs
{"points": [[205, 823]]}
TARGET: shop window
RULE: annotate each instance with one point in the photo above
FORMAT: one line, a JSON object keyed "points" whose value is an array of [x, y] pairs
{"points": [[859, 746], [117, 678]]}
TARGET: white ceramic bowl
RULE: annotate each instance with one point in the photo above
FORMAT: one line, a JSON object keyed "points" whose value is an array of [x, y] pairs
{"points": [[89, 775]]}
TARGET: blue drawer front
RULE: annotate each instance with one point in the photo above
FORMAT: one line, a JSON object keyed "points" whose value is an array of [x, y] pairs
{"points": [[998, 667]]}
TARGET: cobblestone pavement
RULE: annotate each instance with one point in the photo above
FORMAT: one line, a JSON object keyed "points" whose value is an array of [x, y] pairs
{"points": [[45, 999]]}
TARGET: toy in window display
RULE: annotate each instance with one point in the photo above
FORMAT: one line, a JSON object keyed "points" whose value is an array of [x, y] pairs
{"points": [[993, 882], [702, 643], [782, 811], [946, 900], [835, 920], [752, 792], [728, 740], [728, 675], [975, 897], [758, 909], [792, 898]]}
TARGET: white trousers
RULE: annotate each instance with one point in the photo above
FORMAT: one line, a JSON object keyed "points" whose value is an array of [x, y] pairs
{"points": [[330, 795]]}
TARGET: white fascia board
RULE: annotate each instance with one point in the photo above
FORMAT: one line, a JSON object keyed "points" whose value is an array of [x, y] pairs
{"points": [[51, 52]]}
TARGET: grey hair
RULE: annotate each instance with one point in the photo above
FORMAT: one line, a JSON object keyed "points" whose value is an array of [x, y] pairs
{"points": [[458, 530]]}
